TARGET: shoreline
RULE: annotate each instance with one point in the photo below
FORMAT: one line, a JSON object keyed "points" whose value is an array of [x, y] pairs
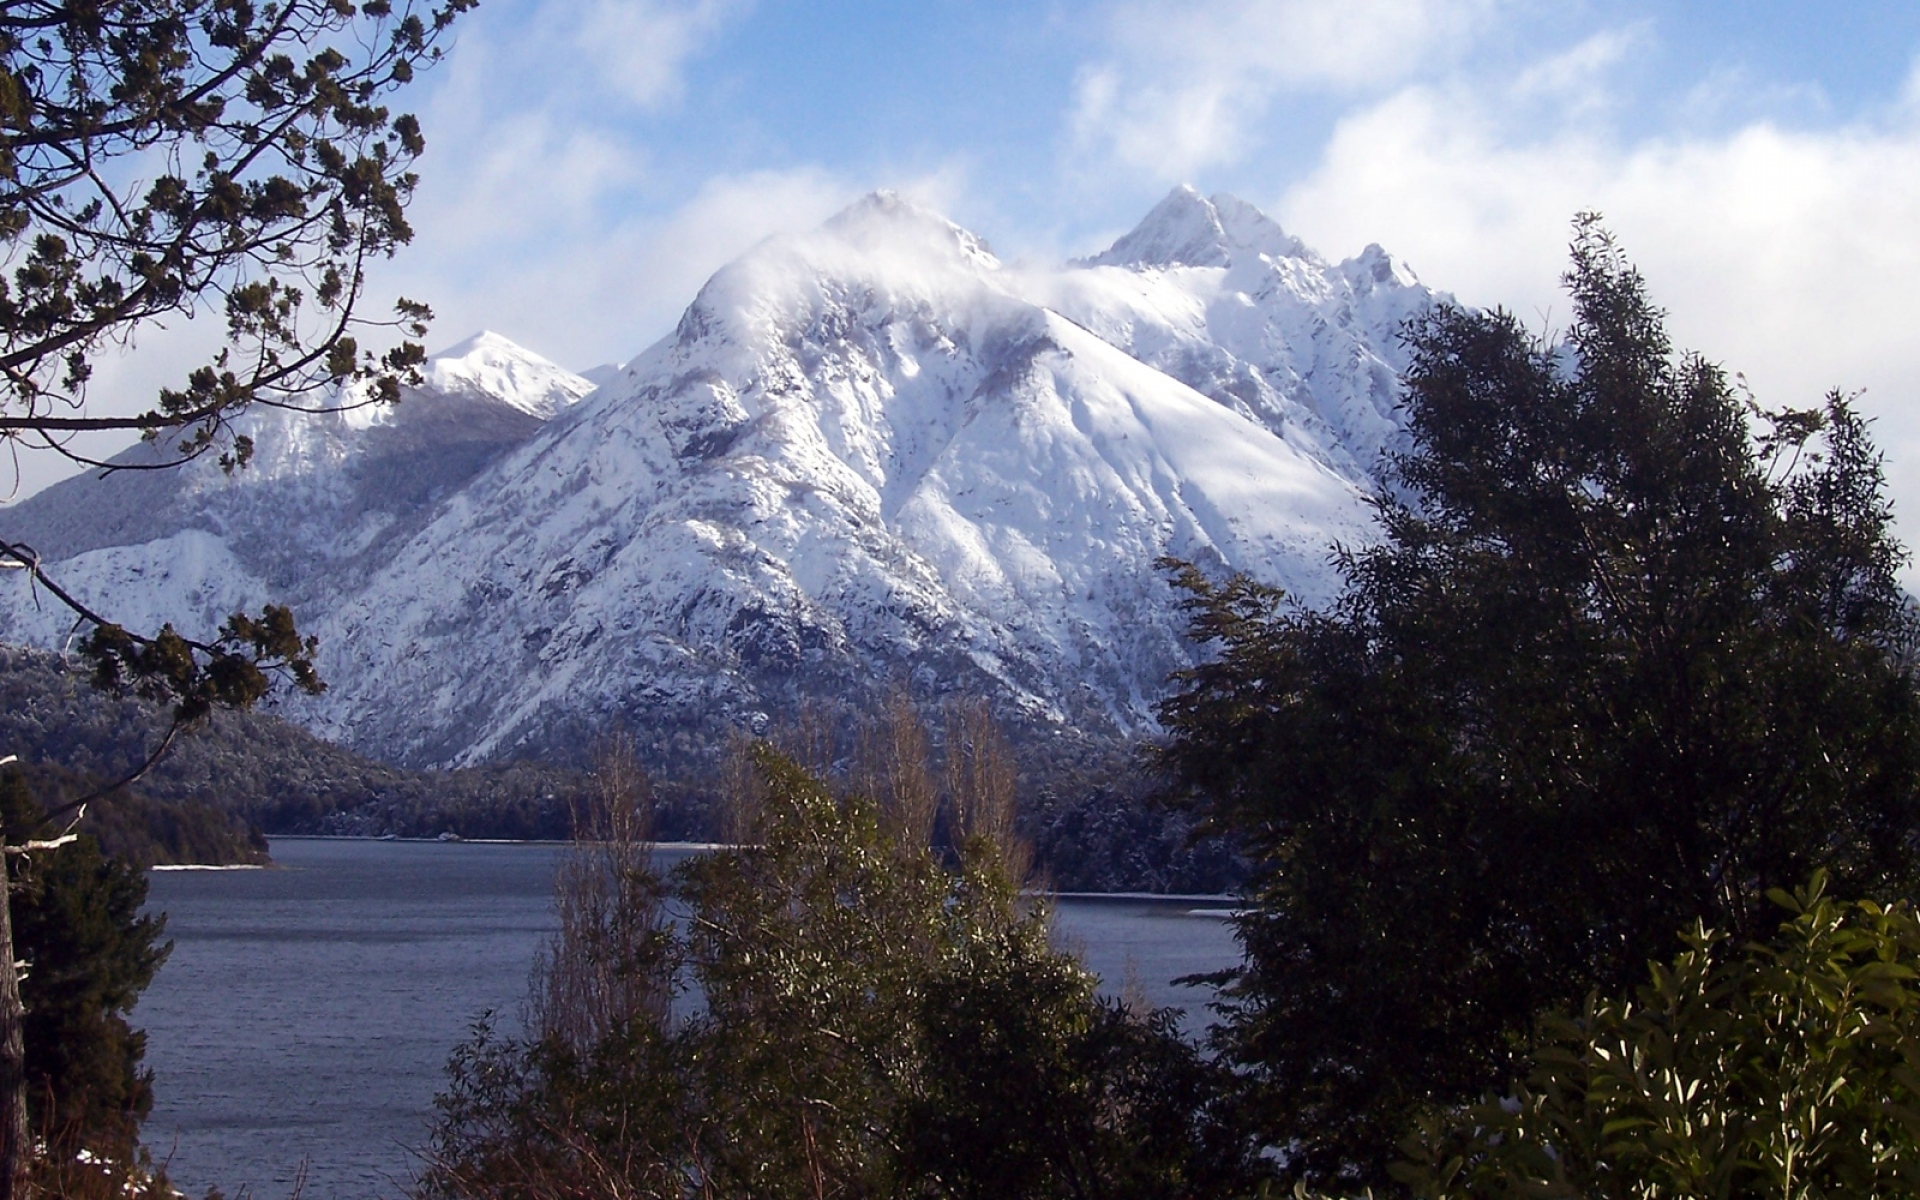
{"points": [[1209, 900], [212, 867]]}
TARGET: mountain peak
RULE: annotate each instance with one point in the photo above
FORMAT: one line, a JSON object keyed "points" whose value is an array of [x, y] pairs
{"points": [[885, 219], [1374, 267], [1188, 230], [483, 342], [488, 364]]}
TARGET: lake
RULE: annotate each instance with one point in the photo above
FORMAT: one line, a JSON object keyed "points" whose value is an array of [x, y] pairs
{"points": [[302, 1024]]}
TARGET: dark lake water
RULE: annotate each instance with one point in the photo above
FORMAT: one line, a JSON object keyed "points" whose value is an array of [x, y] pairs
{"points": [[303, 1022]]}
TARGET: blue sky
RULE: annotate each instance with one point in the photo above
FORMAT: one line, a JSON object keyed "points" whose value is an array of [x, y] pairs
{"points": [[628, 147], [592, 161]]}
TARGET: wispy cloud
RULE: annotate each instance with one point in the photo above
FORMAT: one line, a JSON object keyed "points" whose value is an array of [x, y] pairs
{"points": [[1577, 81], [1787, 254], [530, 124], [640, 47], [1185, 86], [606, 288], [538, 213]]}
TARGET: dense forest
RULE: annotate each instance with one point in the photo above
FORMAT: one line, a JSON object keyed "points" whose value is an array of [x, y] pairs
{"points": [[132, 826], [269, 772], [1088, 813]]}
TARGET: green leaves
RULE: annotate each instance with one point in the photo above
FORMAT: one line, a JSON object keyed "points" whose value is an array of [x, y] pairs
{"points": [[233, 671], [1786, 1068], [285, 176], [1621, 663]]}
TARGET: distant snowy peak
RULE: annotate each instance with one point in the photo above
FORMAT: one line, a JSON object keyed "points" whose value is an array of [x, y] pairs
{"points": [[1189, 230], [492, 366], [486, 386], [332, 477]]}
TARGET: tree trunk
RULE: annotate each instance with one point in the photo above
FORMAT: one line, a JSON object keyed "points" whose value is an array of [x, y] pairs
{"points": [[15, 1149]]}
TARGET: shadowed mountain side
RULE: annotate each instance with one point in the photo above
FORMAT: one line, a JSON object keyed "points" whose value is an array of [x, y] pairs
{"points": [[274, 775], [278, 517]]}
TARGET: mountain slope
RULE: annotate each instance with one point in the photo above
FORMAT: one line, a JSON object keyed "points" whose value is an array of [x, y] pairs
{"points": [[325, 497], [1215, 294], [865, 455]]}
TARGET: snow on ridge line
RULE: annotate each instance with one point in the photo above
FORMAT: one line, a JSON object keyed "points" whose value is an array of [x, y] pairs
{"points": [[1189, 230], [866, 449], [489, 364]]}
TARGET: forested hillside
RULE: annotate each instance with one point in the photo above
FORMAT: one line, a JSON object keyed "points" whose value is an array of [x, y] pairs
{"points": [[1083, 806], [272, 774]]}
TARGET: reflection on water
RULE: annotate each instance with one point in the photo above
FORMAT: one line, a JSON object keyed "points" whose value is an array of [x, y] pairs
{"points": [[307, 1011]]}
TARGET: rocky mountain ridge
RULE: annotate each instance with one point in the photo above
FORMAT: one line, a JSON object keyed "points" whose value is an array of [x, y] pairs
{"points": [[867, 456]]}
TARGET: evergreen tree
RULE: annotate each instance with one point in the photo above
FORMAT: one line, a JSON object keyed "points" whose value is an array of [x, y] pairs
{"points": [[89, 954], [1618, 665], [163, 158]]}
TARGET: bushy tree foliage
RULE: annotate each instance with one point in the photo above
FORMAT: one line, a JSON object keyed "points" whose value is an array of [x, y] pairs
{"points": [[166, 158], [1623, 661], [830, 1010], [1788, 1068], [89, 953]]}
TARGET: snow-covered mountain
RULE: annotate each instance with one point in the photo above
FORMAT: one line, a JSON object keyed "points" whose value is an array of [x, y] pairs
{"points": [[867, 454], [1217, 295], [326, 497]]}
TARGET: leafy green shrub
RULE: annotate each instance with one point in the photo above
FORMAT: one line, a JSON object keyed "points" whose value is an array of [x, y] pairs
{"points": [[828, 1009], [1787, 1069]]}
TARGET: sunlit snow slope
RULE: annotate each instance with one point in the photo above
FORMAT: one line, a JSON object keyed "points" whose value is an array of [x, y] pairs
{"points": [[325, 497], [867, 455]]}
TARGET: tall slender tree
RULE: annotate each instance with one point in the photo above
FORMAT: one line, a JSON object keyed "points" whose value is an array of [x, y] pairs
{"points": [[1630, 654], [164, 158], [89, 953]]}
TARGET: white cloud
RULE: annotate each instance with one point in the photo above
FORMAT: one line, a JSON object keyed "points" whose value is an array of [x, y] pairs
{"points": [[1788, 255], [593, 57], [602, 290], [641, 46], [539, 215], [522, 141], [1576, 80], [532, 176], [1186, 84]]}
